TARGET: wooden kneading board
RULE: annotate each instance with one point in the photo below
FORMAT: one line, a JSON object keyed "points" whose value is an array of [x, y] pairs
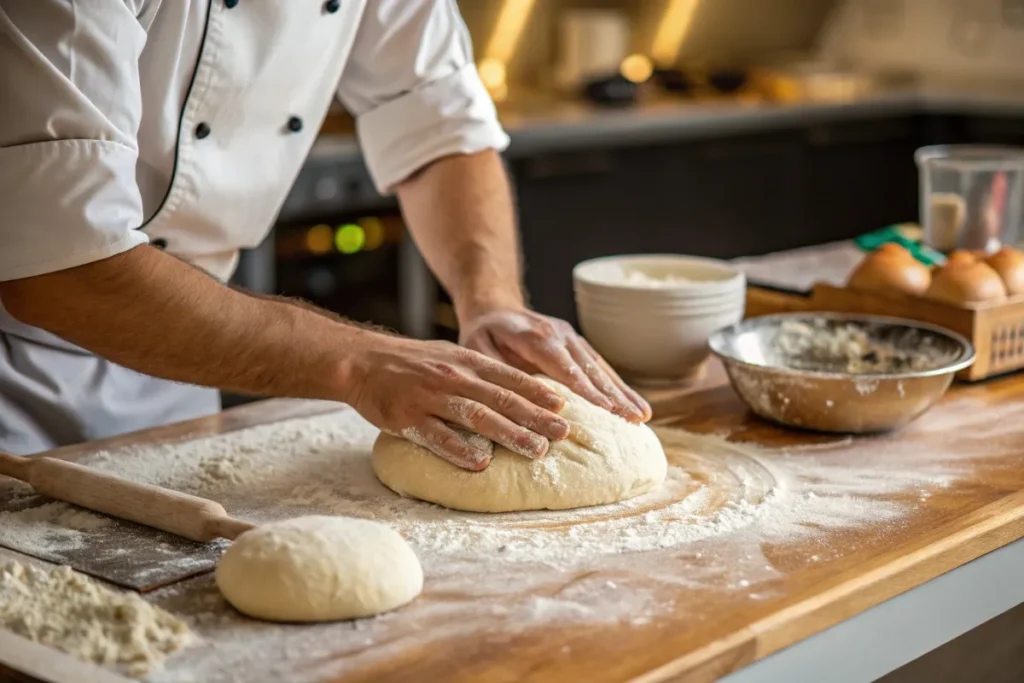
{"points": [[463, 628]]}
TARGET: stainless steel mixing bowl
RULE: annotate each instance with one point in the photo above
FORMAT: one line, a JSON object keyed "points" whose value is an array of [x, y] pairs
{"points": [[829, 398]]}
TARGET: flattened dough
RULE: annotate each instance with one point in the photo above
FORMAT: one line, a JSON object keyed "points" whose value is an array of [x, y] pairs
{"points": [[319, 568], [605, 459]]}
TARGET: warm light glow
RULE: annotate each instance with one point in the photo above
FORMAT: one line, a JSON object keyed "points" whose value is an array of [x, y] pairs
{"points": [[502, 45], [374, 232], [636, 68], [320, 239], [349, 238], [492, 73], [672, 30], [507, 30], [500, 94]]}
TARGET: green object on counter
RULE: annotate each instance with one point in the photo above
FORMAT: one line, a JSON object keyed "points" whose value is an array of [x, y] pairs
{"points": [[923, 253]]}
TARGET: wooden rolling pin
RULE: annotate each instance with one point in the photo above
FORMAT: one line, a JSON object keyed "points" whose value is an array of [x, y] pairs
{"points": [[195, 518]]}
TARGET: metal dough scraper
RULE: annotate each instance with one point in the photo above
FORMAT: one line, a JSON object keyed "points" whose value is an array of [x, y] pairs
{"points": [[183, 535]]}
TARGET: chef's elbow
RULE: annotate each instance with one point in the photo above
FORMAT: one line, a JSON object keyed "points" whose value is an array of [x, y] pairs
{"points": [[21, 298]]}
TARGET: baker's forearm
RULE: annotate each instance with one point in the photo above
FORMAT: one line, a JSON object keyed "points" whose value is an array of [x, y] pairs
{"points": [[152, 313], [460, 212], [148, 311]]}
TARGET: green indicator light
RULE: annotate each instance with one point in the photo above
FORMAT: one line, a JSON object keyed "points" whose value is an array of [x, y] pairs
{"points": [[349, 238]]}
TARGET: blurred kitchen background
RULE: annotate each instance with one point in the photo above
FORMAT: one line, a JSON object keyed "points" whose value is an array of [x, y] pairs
{"points": [[723, 128]]}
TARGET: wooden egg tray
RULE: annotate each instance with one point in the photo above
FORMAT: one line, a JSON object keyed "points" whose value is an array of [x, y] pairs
{"points": [[995, 329]]}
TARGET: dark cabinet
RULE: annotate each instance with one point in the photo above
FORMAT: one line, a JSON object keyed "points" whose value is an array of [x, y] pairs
{"points": [[861, 176], [995, 130], [744, 195]]}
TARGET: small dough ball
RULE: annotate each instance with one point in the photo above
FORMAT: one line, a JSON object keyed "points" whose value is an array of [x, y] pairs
{"points": [[891, 269], [965, 280], [605, 459], [319, 568], [1009, 264]]}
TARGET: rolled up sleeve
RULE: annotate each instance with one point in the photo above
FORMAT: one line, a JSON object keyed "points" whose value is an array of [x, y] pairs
{"points": [[413, 87], [68, 124]]}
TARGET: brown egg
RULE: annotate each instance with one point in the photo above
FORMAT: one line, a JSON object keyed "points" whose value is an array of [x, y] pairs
{"points": [[890, 269], [961, 258], [1009, 263], [894, 250], [965, 280]]}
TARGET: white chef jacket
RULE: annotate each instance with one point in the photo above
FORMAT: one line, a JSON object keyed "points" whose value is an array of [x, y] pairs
{"points": [[184, 123]]}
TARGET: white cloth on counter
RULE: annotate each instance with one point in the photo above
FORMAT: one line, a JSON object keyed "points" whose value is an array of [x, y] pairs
{"points": [[184, 123], [800, 269], [176, 120]]}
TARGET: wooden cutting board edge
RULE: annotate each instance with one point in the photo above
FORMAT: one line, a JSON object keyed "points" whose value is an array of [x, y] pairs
{"points": [[946, 548], [24, 660]]}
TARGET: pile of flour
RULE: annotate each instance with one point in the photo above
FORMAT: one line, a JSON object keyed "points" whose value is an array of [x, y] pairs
{"points": [[64, 609]]}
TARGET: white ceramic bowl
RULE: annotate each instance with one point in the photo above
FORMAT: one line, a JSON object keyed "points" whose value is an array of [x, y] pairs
{"points": [[655, 349], [651, 316], [619, 317], [657, 277], [584, 299], [654, 298]]}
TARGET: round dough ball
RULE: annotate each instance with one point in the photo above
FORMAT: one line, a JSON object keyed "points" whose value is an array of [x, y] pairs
{"points": [[891, 268], [319, 569], [1009, 263], [965, 280], [605, 459]]}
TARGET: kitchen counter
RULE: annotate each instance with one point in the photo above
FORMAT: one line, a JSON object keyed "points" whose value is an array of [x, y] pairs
{"points": [[802, 557]]}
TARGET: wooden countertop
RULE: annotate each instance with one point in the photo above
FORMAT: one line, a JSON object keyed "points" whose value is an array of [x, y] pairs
{"points": [[969, 500]]}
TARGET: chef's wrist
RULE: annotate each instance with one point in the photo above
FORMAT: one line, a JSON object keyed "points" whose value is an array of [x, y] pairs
{"points": [[477, 304], [351, 369]]}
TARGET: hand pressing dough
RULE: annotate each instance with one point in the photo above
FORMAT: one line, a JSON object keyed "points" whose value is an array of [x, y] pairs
{"points": [[605, 459], [319, 569]]}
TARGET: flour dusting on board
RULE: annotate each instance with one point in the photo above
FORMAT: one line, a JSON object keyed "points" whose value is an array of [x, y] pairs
{"points": [[46, 528], [321, 465], [711, 527]]}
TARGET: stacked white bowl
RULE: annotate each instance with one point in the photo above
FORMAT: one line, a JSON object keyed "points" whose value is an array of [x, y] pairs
{"points": [[650, 316]]}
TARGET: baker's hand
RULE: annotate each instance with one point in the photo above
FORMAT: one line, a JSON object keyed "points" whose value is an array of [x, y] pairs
{"points": [[535, 343], [411, 388]]}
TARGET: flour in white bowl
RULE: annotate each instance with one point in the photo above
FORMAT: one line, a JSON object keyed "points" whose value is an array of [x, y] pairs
{"points": [[638, 278]]}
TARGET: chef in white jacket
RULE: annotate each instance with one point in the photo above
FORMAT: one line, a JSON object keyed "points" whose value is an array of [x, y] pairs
{"points": [[144, 142]]}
